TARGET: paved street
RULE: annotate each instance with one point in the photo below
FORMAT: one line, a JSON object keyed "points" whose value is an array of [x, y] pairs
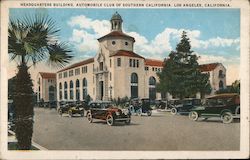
{"points": [[162, 131]]}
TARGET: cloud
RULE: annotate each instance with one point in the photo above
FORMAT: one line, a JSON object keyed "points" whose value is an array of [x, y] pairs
{"points": [[86, 31]]}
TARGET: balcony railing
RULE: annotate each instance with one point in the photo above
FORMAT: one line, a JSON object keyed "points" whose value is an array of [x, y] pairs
{"points": [[222, 75]]}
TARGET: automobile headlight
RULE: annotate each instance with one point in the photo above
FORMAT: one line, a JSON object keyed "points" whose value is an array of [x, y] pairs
{"points": [[117, 113], [125, 111]]}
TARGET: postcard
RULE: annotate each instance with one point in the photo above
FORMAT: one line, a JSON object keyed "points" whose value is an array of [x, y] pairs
{"points": [[135, 79]]}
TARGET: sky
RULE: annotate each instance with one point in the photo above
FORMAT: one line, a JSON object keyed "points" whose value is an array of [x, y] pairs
{"points": [[214, 33]]}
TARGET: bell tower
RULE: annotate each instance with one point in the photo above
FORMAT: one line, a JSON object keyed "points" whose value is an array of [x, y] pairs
{"points": [[116, 22]]}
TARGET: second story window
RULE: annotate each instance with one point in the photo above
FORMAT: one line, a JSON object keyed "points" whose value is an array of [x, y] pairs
{"points": [[137, 63], [65, 74], [60, 75], [118, 62], [146, 68], [130, 62], [71, 73], [77, 71], [85, 69], [101, 66]]}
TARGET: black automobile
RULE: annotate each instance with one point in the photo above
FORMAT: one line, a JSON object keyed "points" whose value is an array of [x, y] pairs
{"points": [[52, 104], [184, 106], [225, 106], [71, 108], [140, 106]]}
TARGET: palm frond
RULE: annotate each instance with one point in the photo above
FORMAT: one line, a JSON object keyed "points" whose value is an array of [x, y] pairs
{"points": [[59, 54]]}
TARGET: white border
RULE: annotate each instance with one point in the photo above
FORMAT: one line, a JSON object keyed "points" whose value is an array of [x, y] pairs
{"points": [[244, 76]]}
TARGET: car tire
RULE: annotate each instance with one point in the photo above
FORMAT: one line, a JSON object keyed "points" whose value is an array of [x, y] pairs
{"points": [[173, 111], [193, 116], [60, 111], [89, 117], [82, 113], [110, 120], [70, 113], [237, 111], [227, 117], [128, 121], [149, 113]]}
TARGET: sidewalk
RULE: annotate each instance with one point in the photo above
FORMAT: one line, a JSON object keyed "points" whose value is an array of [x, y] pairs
{"points": [[12, 140]]}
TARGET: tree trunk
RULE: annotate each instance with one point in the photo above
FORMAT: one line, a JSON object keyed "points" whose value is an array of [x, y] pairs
{"points": [[23, 102]]}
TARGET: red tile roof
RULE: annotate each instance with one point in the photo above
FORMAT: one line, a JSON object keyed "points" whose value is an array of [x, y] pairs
{"points": [[154, 62], [47, 75], [116, 34], [87, 61], [208, 67], [126, 53]]}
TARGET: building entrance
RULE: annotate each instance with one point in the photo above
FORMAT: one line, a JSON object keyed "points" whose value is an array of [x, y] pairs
{"points": [[101, 90]]}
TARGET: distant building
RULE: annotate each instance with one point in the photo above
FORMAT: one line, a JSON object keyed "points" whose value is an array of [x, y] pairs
{"points": [[115, 71], [46, 86], [217, 74]]}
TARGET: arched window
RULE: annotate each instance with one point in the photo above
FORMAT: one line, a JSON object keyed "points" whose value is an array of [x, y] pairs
{"points": [[221, 85], [65, 90], [71, 91], [77, 90], [60, 91], [134, 85], [221, 75], [84, 88], [152, 89]]}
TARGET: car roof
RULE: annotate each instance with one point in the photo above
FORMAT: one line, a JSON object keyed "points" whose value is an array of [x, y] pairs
{"points": [[224, 95]]}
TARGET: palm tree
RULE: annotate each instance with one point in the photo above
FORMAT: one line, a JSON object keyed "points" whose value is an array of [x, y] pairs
{"points": [[31, 40]]}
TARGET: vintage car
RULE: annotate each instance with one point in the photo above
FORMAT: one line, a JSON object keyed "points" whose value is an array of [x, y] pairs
{"points": [[140, 107], [71, 108], [105, 110], [184, 106], [225, 106]]}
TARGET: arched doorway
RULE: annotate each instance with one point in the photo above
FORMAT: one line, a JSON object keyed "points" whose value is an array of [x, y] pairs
{"points": [[134, 85], [84, 88], [152, 88], [65, 91], [77, 90], [71, 91], [51, 93], [221, 85]]}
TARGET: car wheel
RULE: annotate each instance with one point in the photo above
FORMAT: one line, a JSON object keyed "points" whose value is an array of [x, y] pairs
{"points": [[173, 111], [110, 120], [60, 111], [89, 117], [227, 117], [193, 116], [237, 111], [149, 113], [128, 121], [70, 113], [82, 113]]}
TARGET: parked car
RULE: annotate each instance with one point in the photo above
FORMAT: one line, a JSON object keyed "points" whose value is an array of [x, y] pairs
{"points": [[71, 108], [105, 110], [140, 107], [53, 104], [184, 106], [225, 106]]}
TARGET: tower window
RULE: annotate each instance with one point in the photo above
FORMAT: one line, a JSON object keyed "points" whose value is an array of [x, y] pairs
{"points": [[126, 43], [118, 62], [113, 42]]}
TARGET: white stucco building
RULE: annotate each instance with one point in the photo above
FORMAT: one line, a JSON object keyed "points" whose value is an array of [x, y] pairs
{"points": [[115, 71], [217, 74], [46, 87]]}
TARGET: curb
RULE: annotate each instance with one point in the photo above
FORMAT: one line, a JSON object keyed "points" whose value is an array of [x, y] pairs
{"points": [[12, 139]]}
